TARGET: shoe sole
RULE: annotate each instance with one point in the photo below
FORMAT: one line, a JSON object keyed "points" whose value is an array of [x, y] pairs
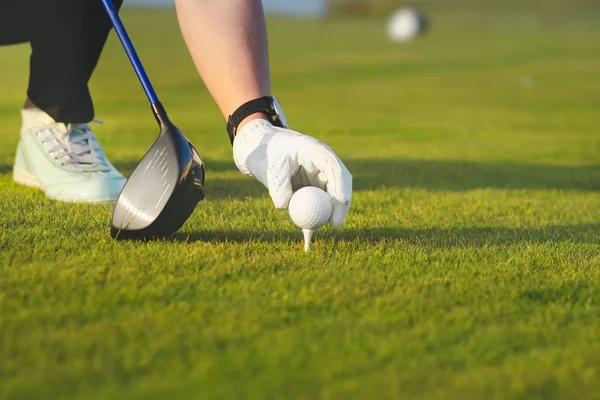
{"points": [[25, 178]]}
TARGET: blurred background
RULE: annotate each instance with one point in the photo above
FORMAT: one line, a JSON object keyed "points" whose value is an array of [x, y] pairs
{"points": [[371, 7], [492, 81]]}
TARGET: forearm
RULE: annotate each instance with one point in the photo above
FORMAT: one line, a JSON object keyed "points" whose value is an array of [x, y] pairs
{"points": [[228, 43]]}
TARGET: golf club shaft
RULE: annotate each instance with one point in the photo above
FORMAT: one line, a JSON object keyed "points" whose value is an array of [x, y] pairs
{"points": [[130, 50]]}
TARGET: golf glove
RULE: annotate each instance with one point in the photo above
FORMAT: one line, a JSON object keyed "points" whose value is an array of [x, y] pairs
{"points": [[285, 161]]}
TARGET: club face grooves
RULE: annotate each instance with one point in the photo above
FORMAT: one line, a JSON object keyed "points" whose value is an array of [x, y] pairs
{"points": [[163, 190]]}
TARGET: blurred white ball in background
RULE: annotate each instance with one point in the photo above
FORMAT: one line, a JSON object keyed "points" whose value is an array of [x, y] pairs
{"points": [[406, 24]]}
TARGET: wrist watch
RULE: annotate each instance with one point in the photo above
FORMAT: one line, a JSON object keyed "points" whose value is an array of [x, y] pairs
{"points": [[268, 105]]}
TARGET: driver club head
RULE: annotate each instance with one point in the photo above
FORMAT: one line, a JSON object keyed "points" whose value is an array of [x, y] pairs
{"points": [[164, 188]]}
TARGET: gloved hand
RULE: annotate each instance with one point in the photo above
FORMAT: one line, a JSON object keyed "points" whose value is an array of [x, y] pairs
{"points": [[285, 161]]}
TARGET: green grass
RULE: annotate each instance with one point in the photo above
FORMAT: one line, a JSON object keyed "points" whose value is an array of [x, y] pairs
{"points": [[468, 268]]}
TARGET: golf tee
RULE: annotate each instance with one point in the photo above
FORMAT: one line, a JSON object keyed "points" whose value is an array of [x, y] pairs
{"points": [[308, 233]]}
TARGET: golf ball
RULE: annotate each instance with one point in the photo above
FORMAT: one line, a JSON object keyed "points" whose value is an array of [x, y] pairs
{"points": [[406, 24], [310, 208]]}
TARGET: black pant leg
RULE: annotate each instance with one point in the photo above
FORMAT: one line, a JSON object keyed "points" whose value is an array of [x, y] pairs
{"points": [[13, 21], [67, 38], [99, 27]]}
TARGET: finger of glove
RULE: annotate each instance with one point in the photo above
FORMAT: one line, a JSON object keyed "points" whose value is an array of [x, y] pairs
{"points": [[338, 180], [340, 210], [303, 179], [279, 173]]}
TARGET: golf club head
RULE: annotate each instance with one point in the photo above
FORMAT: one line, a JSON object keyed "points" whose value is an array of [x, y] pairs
{"points": [[164, 188]]}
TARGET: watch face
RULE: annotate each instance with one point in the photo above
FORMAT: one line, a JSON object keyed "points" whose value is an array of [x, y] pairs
{"points": [[280, 113]]}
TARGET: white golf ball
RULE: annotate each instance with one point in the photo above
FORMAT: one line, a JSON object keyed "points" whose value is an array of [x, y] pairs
{"points": [[310, 208], [405, 24]]}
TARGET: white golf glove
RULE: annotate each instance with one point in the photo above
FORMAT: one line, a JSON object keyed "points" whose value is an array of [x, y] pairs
{"points": [[285, 161]]}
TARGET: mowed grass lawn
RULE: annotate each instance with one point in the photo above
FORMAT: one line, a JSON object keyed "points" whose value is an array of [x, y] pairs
{"points": [[468, 268]]}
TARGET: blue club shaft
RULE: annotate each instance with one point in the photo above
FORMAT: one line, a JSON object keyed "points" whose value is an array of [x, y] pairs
{"points": [[130, 50]]}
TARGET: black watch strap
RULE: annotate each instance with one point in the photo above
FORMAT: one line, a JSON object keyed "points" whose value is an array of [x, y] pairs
{"points": [[263, 104]]}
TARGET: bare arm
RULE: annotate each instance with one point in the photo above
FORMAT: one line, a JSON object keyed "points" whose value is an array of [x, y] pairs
{"points": [[228, 43]]}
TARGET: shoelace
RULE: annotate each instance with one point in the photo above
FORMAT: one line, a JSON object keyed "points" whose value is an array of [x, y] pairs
{"points": [[78, 149], [82, 144]]}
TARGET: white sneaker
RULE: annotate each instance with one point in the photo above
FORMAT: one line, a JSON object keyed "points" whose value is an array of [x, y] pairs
{"points": [[65, 161]]}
